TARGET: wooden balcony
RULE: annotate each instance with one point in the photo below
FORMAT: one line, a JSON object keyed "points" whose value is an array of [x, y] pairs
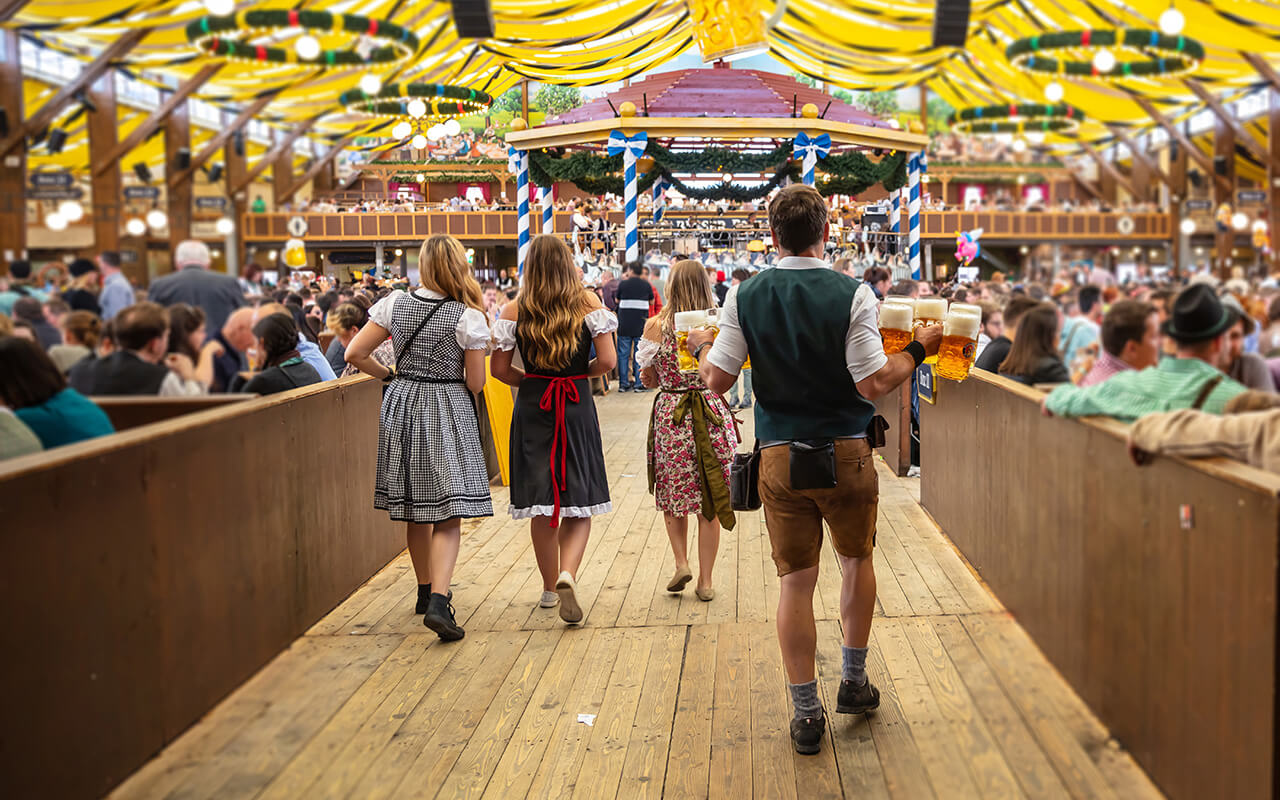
{"points": [[1074, 226]]}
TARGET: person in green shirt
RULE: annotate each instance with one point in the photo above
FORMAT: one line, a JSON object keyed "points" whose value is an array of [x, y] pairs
{"points": [[1199, 325]]}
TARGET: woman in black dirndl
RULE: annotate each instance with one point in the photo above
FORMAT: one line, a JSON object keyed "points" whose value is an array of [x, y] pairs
{"points": [[431, 469], [558, 478]]}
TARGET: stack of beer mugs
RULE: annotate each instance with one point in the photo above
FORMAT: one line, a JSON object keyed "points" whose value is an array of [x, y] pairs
{"points": [[959, 345], [692, 320], [895, 323]]}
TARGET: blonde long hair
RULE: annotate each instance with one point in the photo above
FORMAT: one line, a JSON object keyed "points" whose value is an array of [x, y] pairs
{"points": [[443, 268], [552, 302], [688, 289]]}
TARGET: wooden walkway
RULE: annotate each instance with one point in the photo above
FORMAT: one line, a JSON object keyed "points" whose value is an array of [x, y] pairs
{"points": [[686, 699]]}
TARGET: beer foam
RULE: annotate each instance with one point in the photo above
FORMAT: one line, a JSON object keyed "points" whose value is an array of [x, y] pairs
{"points": [[970, 307], [962, 323], [688, 320], [896, 315], [931, 308]]}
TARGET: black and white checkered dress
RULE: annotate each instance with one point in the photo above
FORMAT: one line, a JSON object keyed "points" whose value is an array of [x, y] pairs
{"points": [[430, 463]]}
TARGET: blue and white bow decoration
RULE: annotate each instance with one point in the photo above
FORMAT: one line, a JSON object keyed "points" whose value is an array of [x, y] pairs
{"points": [[810, 149], [631, 148], [518, 162]]}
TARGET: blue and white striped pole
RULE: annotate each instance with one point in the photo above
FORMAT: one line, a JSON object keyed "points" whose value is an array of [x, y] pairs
{"points": [[519, 162], [809, 150], [548, 212], [915, 167], [631, 148], [660, 187]]}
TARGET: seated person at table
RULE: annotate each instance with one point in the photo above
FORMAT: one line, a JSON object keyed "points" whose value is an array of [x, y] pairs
{"points": [[282, 368], [1130, 340], [1249, 369], [1200, 325], [33, 387], [1253, 438], [994, 353], [1034, 356], [139, 364]]}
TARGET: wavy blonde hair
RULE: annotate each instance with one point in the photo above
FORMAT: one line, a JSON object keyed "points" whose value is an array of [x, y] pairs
{"points": [[688, 289], [443, 268], [552, 302]]}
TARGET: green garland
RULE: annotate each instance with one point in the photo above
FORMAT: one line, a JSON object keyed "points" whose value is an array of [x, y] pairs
{"points": [[1017, 118], [441, 99], [1160, 55], [226, 37]]}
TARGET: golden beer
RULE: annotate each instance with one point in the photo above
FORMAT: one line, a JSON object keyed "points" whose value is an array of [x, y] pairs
{"points": [[930, 311], [959, 345], [686, 321], [895, 326]]}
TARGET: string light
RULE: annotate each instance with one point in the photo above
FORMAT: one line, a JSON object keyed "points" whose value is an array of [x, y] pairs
{"points": [[417, 108], [419, 142], [1172, 21], [1054, 92], [220, 8], [371, 84], [453, 127], [307, 47], [402, 130], [1104, 61]]}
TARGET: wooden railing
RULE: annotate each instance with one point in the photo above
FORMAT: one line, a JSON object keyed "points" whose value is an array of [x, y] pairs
{"points": [[151, 572], [1153, 590]]}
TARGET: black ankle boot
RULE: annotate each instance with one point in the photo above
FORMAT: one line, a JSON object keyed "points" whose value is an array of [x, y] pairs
{"points": [[424, 598], [439, 618]]}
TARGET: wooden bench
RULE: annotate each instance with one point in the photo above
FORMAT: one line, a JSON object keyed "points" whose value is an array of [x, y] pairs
{"points": [[151, 572], [1153, 590], [132, 410]]}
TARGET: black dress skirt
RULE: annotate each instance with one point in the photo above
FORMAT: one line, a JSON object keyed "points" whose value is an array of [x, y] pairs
{"points": [[555, 426]]}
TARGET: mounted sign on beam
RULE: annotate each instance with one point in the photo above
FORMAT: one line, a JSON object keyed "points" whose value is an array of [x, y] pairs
{"points": [[473, 19], [951, 23]]}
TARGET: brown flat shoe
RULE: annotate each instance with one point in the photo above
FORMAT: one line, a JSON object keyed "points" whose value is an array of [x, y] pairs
{"points": [[705, 595], [682, 577]]}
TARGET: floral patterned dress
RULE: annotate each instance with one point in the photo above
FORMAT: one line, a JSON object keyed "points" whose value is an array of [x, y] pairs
{"points": [[682, 478]]}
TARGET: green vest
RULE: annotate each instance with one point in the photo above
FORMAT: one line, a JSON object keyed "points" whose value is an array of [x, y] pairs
{"points": [[795, 322]]}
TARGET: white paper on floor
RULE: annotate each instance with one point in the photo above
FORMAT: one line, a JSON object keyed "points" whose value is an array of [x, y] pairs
{"points": [[587, 719]]}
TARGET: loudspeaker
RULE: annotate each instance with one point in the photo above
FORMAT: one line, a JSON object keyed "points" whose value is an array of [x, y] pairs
{"points": [[183, 158], [57, 139], [1196, 178], [4, 123], [1220, 165], [215, 173], [951, 23], [473, 19], [142, 171]]}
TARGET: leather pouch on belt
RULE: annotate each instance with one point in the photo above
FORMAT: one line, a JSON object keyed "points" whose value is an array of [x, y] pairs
{"points": [[813, 464]]}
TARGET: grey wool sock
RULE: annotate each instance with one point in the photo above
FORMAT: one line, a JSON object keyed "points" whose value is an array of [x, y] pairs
{"points": [[804, 697], [855, 665]]}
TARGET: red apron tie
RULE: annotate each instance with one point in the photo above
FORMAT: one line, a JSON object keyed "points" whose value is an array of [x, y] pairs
{"points": [[558, 392]]}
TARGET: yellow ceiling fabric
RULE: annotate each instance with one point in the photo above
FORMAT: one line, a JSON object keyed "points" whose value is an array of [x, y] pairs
{"points": [[856, 44]]}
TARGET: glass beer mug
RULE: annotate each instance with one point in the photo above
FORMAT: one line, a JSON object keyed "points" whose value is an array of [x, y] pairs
{"points": [[895, 326], [930, 311], [959, 345], [687, 321]]}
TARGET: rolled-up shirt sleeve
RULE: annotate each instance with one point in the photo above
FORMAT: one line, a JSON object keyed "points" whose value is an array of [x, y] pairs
{"points": [[729, 352], [863, 347]]}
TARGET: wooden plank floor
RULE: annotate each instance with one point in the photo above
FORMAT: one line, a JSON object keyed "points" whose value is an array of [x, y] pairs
{"points": [[687, 699]]}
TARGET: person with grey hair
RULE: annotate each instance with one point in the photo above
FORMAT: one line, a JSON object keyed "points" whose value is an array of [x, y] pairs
{"points": [[193, 283]]}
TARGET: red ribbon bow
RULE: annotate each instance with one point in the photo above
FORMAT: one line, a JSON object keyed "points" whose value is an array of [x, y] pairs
{"points": [[559, 391]]}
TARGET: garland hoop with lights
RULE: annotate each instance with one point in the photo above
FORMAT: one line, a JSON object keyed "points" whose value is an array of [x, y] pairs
{"points": [[1017, 118], [393, 100], [1156, 55], [375, 42]]}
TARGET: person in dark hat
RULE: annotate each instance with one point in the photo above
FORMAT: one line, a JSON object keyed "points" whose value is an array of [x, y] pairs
{"points": [[82, 294], [1200, 326]]}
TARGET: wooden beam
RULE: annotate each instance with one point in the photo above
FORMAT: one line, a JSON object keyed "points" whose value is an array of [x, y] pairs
{"points": [[13, 167], [1264, 69], [49, 111], [1273, 176], [1088, 187], [237, 203], [1224, 147], [282, 178], [1110, 169], [222, 137], [106, 185], [524, 99], [285, 144], [9, 8], [1139, 155], [157, 118], [177, 137], [1197, 155], [1242, 136], [318, 164], [1177, 198]]}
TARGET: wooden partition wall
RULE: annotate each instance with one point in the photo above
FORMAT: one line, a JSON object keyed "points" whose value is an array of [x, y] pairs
{"points": [[133, 411], [149, 573], [895, 407], [1153, 589]]}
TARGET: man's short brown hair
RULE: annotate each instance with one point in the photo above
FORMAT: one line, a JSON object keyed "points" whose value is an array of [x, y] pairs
{"points": [[138, 324], [1019, 305], [798, 217], [1126, 321]]}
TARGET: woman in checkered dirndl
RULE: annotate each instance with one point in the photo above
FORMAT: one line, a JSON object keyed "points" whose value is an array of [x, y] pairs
{"points": [[558, 478], [431, 469]]}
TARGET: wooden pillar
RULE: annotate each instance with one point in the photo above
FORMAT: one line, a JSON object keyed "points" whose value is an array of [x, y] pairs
{"points": [[237, 202], [1224, 150], [524, 99], [106, 188], [1273, 178], [1177, 201], [325, 180], [1140, 176], [281, 177], [13, 167], [177, 137], [1110, 189], [924, 108]]}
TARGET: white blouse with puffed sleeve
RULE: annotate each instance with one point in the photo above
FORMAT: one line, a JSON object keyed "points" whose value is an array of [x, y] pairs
{"points": [[472, 331]]}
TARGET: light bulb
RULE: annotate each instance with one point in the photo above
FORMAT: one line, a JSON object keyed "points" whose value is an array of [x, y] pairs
{"points": [[71, 210], [416, 108], [399, 252], [135, 227], [419, 178], [55, 222], [1259, 226], [1188, 226], [434, 133], [371, 84], [157, 219], [1054, 92], [1104, 61], [1171, 22], [727, 178], [418, 142], [1019, 145], [307, 47], [271, 255], [224, 226], [453, 127], [402, 130], [1239, 221], [220, 8]]}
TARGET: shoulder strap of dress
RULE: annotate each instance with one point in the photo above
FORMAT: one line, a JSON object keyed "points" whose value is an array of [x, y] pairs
{"points": [[404, 348]]}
